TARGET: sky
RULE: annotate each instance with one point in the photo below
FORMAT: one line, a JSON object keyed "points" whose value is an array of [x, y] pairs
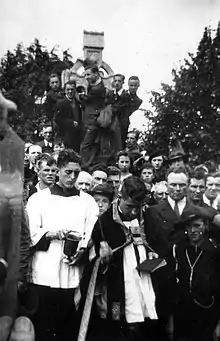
{"points": [[147, 38]]}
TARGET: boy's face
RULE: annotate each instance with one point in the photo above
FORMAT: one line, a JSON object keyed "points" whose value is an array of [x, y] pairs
{"points": [[70, 91], [103, 203], [47, 174], [147, 175], [114, 181], [133, 86], [196, 229], [128, 208], [54, 83], [124, 163], [68, 174], [58, 147], [157, 162]]}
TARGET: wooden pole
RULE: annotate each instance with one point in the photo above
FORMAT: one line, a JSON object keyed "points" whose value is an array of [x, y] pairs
{"points": [[11, 190]]}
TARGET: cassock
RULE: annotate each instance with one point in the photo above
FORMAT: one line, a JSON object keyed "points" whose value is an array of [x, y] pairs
{"points": [[129, 294]]}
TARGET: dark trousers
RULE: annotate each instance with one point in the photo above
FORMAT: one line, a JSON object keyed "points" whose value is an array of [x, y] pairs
{"points": [[90, 145], [124, 125], [194, 323], [55, 319]]}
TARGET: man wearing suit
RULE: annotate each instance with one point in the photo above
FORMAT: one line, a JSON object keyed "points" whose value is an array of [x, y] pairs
{"points": [[134, 103], [92, 102], [47, 143], [54, 94], [159, 223], [68, 118], [124, 103]]}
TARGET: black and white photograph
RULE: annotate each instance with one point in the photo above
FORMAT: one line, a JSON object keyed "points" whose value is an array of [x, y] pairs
{"points": [[110, 170]]}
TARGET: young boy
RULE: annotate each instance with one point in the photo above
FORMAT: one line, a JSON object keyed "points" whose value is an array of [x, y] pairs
{"points": [[147, 175], [196, 312], [123, 162]]}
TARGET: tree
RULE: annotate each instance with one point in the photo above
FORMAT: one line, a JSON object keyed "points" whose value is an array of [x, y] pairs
{"points": [[24, 79], [190, 107]]}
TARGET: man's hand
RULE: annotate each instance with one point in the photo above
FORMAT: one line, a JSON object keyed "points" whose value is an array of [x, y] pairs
{"points": [[75, 123], [216, 334], [152, 255], [105, 252]]}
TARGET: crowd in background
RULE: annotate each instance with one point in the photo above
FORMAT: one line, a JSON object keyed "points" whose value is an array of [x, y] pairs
{"points": [[146, 227]]}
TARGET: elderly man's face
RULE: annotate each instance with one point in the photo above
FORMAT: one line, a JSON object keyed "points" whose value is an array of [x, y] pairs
{"points": [[83, 181], [160, 193], [34, 152], [99, 178]]}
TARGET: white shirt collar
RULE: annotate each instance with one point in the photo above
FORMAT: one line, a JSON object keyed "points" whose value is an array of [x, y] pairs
{"points": [[207, 201], [181, 203], [119, 92], [48, 144]]}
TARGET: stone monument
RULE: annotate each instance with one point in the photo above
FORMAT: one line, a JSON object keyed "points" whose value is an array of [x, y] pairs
{"points": [[93, 45]]}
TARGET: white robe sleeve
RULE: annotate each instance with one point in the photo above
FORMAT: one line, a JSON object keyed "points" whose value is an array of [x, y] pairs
{"points": [[92, 212], [33, 208]]}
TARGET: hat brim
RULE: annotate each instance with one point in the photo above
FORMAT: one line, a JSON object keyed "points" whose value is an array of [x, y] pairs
{"points": [[177, 157]]}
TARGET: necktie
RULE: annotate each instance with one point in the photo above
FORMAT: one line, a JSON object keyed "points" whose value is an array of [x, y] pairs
{"points": [[116, 96], [176, 209]]}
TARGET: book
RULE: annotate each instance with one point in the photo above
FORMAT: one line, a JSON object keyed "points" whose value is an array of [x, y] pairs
{"points": [[151, 265]]}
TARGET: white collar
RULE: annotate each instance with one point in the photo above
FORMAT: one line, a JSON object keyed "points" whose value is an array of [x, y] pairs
{"points": [[181, 203], [119, 92], [208, 202], [50, 144]]}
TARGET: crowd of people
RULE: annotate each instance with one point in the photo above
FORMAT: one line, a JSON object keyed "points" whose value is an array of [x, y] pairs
{"points": [[116, 244]]}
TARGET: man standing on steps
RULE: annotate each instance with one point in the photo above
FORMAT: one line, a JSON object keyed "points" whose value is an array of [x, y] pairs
{"points": [[68, 117]]}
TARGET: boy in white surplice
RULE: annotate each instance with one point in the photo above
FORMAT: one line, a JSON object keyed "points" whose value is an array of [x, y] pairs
{"points": [[53, 213], [129, 293]]}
